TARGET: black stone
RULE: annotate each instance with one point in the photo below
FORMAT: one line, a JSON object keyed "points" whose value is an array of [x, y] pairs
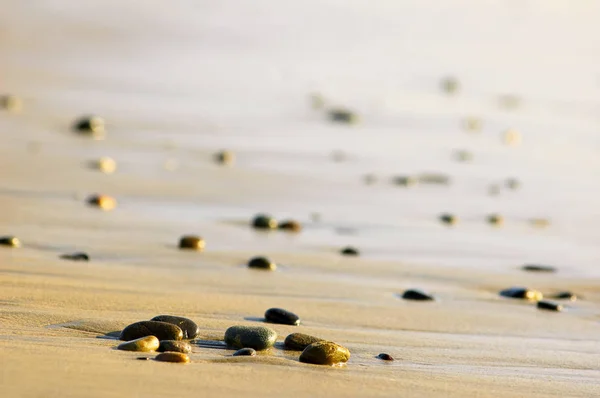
{"points": [[342, 116], [538, 268], [448, 219], [162, 331], [190, 328], [9, 241], [385, 357], [257, 337], [350, 251], [261, 263], [417, 295], [79, 256], [520, 293], [87, 124], [264, 221], [565, 296], [405, 181], [143, 358], [245, 352], [281, 316], [549, 306], [175, 346], [299, 341]]}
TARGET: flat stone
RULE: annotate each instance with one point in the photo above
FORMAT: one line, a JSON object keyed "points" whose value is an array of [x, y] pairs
{"points": [[281, 316], [245, 352], [405, 181], [11, 103], [104, 202], [262, 263], [190, 328], [264, 221], [448, 219], [162, 330], [93, 126], [325, 353], [350, 251], [341, 115], [417, 295], [176, 357], [549, 306], [385, 357], [175, 346], [144, 344], [290, 225], [565, 296], [463, 156], [495, 219], [192, 242], [257, 337], [10, 241], [538, 268], [78, 256], [512, 183], [434, 179], [299, 341], [521, 293]]}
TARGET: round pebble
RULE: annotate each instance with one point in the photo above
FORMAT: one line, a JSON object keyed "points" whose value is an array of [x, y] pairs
{"points": [[11, 103], [79, 256], [450, 85], [290, 225], [176, 357], [175, 346], [162, 330], [10, 241], [325, 353], [191, 242], [495, 220], [90, 125], [225, 158], [350, 251], [341, 115], [522, 293], [264, 221], [405, 181], [538, 268], [448, 219], [257, 337], [385, 357], [549, 306], [511, 137], [245, 352], [565, 296], [299, 341], [189, 328], [281, 316], [262, 263], [417, 295], [104, 202], [143, 344], [105, 164]]}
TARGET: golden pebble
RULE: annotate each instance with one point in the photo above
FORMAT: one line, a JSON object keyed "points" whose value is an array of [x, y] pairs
{"points": [[102, 201], [192, 242], [11, 103]]}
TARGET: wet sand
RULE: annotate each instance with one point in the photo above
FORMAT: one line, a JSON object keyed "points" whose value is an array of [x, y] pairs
{"points": [[171, 94]]}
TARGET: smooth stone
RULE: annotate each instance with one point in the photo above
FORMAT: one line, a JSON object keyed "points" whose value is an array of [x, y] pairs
{"points": [[448, 219], [281, 316], [10, 241], [192, 242], [90, 125], [433, 178], [299, 341], [350, 251], [190, 328], [405, 181], [143, 358], [176, 357], [538, 268], [144, 344], [290, 225], [565, 296], [175, 346], [226, 158], [416, 295], [450, 85], [472, 124], [245, 352], [539, 222], [341, 115], [102, 201], [521, 293], [549, 306], [11, 103], [463, 156], [105, 164], [325, 353], [385, 357], [257, 337], [162, 330], [370, 179], [495, 219], [264, 221], [79, 256], [262, 263], [512, 183]]}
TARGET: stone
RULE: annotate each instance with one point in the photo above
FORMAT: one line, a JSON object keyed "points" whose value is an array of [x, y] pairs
{"points": [[370, 179], [350, 251], [103, 202], [175, 346], [450, 85], [325, 353], [11, 103], [565, 296], [225, 158], [317, 101], [10, 241], [417, 295], [264, 221], [405, 181], [538, 268], [176, 357], [522, 293], [472, 124], [105, 164], [93, 126], [281, 316], [549, 306], [448, 219], [78, 256], [433, 178], [385, 357], [162, 330], [143, 344], [189, 328], [257, 337], [463, 156], [262, 263], [299, 341], [342, 115], [495, 219], [191, 242], [512, 183], [539, 222], [290, 225], [494, 190], [245, 352], [511, 137]]}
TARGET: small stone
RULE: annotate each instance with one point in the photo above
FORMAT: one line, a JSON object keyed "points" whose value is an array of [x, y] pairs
{"points": [[405, 181], [463, 156], [90, 125], [539, 222], [262, 263], [448, 219], [433, 178], [176, 357], [417, 295], [317, 101], [281, 316], [225, 158], [10, 241], [264, 221], [79, 256], [105, 164], [299, 341], [512, 183], [549, 306], [192, 242], [385, 357], [495, 219], [102, 201], [11, 103], [565, 296], [370, 179], [350, 251], [340, 115], [450, 85], [245, 352], [290, 225], [143, 344], [142, 358], [511, 137], [538, 268], [522, 293], [257, 337], [494, 190], [472, 124], [325, 353], [190, 328], [162, 330], [175, 346]]}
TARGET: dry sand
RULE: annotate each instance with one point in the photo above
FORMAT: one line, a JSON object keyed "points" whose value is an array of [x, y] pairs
{"points": [[176, 84]]}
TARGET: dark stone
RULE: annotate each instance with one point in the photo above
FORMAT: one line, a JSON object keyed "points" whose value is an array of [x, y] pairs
{"points": [[512, 183], [463, 156], [350, 251], [175, 346], [299, 341], [433, 178], [176, 357], [142, 358], [191, 242], [90, 125], [245, 352], [264, 221], [79, 256], [340, 115], [257, 337], [417, 295], [281, 316], [538, 268], [10, 241], [262, 263], [450, 85], [495, 219], [521, 293], [565, 296], [405, 181], [325, 353], [162, 331], [385, 357], [190, 328], [290, 225], [549, 306], [448, 219], [225, 158]]}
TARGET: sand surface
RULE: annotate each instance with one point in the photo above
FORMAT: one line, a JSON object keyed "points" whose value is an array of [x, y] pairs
{"points": [[177, 81]]}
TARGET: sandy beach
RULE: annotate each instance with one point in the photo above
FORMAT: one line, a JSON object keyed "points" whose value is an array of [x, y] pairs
{"points": [[176, 82]]}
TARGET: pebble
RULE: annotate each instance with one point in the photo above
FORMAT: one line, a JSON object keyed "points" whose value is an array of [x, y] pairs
{"points": [[299, 341], [144, 344], [472, 124], [350, 251], [176, 357], [317, 101], [511, 137], [522, 293], [175, 346], [281, 316], [191, 242], [10, 241], [264, 221], [433, 178], [102, 201], [162, 330], [341, 115], [245, 352], [79, 256], [539, 222], [565, 296], [90, 125], [494, 190], [189, 328], [405, 181], [450, 85], [449, 219], [385, 357], [512, 183], [370, 179], [257, 337], [549, 306], [538, 268], [290, 225], [105, 164], [11, 103], [463, 156], [417, 295], [495, 219], [325, 353], [262, 263], [226, 158]]}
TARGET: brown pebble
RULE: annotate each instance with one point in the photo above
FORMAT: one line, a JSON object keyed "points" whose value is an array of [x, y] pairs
{"points": [[11, 103], [290, 225], [522, 293], [104, 202], [299, 341], [245, 352], [264, 221], [105, 164], [191, 242], [10, 241], [162, 330], [175, 346], [565, 296], [325, 353], [176, 357], [143, 344]]}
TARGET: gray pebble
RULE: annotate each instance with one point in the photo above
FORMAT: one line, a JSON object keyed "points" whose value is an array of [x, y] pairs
{"points": [[245, 352], [257, 337]]}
